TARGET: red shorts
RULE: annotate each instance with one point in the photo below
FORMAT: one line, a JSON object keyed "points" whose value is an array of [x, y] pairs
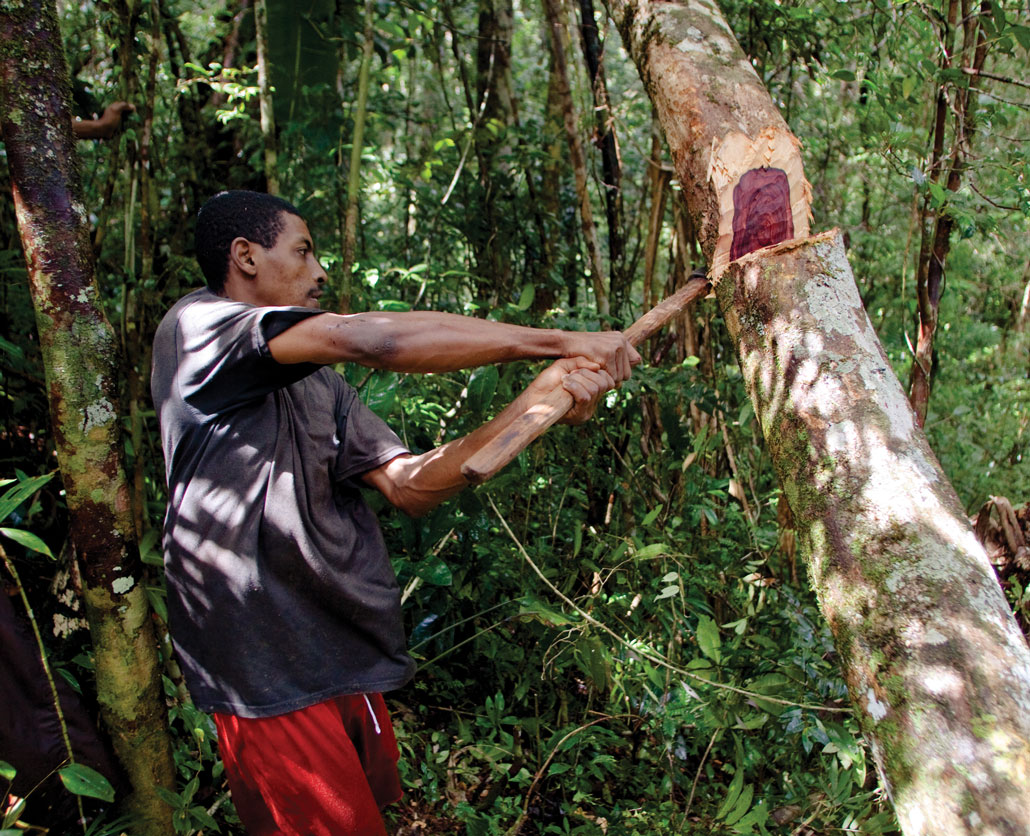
{"points": [[325, 770]]}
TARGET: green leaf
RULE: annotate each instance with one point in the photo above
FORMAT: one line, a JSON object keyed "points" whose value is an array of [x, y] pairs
{"points": [[433, 570], [482, 388], [526, 297], [652, 550], [149, 548], [652, 515], [691, 361], [156, 596], [770, 684], [667, 592], [82, 780], [394, 305], [843, 75], [13, 814], [708, 638], [736, 785], [168, 797], [28, 540], [742, 806], [758, 815], [199, 814], [7, 772], [593, 660], [20, 492], [908, 85], [540, 612]]}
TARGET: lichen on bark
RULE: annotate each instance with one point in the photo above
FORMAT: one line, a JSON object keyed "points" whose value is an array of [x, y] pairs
{"points": [[932, 656], [79, 357]]}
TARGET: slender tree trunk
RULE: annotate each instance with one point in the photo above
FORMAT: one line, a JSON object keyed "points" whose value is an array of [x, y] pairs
{"points": [[938, 222], [937, 669], [265, 95], [79, 350], [607, 141], [350, 224], [495, 104], [1023, 317], [659, 178], [555, 19]]}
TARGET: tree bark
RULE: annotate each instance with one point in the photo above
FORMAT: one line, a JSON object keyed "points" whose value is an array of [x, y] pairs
{"points": [[350, 224], [936, 667], [938, 221], [495, 106], [555, 20], [607, 141], [79, 349], [265, 97]]}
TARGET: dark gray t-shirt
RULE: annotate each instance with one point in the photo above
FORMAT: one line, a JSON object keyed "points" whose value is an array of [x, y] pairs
{"points": [[280, 591]]}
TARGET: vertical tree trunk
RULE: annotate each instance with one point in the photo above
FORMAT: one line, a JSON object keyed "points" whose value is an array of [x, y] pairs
{"points": [[350, 224], [495, 103], [937, 221], [555, 20], [607, 142], [265, 95], [937, 669], [79, 347]]}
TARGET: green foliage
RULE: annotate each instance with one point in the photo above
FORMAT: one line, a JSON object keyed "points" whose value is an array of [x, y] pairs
{"points": [[663, 668]]}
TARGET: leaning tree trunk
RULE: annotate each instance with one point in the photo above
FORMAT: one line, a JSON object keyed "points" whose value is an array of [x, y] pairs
{"points": [[936, 667], [79, 347]]}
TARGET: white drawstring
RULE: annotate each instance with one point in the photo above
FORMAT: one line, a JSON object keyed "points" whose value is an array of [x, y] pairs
{"points": [[375, 722]]}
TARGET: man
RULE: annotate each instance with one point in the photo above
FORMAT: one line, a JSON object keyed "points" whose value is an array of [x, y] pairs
{"points": [[283, 606]]}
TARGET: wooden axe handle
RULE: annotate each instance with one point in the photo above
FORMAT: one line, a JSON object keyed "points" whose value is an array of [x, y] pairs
{"points": [[494, 455]]}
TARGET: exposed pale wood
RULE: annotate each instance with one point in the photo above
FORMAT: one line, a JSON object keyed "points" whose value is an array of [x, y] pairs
{"points": [[718, 119], [936, 666]]}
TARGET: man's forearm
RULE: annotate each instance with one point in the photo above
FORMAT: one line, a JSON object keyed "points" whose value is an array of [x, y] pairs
{"points": [[430, 341], [417, 484], [416, 341]]}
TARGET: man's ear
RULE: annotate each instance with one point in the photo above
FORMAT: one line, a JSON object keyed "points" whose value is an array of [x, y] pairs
{"points": [[241, 256]]}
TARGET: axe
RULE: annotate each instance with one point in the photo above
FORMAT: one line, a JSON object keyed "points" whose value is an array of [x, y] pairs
{"points": [[490, 458]]}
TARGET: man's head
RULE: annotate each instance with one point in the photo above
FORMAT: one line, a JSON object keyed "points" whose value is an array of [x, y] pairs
{"points": [[256, 247]]}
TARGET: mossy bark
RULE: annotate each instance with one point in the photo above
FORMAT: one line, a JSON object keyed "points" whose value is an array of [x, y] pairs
{"points": [[79, 351], [936, 666], [935, 663]]}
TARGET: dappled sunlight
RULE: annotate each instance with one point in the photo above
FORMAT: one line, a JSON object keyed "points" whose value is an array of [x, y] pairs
{"points": [[931, 652]]}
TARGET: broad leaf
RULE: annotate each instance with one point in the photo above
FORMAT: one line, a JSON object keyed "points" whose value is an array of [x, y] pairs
{"points": [[82, 780], [708, 638]]}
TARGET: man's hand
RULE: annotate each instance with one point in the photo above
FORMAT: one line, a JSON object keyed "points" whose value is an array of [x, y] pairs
{"points": [[609, 349], [104, 127], [584, 379]]}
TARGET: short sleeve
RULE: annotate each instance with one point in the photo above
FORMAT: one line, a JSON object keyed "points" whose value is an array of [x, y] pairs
{"points": [[366, 442], [223, 355]]}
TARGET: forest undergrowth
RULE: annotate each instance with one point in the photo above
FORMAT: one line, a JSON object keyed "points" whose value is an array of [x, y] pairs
{"points": [[616, 635]]}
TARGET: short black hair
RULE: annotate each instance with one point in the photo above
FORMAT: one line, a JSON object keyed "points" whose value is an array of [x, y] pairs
{"points": [[256, 216]]}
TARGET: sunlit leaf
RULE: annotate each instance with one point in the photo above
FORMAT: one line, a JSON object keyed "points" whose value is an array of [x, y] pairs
{"points": [[83, 780], [708, 638], [28, 540]]}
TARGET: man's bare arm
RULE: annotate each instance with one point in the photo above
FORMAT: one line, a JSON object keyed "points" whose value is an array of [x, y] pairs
{"points": [[430, 341], [417, 484], [104, 127]]}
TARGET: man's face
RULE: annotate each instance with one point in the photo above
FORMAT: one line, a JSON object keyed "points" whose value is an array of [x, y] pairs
{"points": [[288, 273]]}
